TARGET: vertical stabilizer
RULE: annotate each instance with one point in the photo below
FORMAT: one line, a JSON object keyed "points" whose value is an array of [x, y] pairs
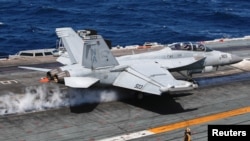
{"points": [[72, 42], [96, 53], [91, 51]]}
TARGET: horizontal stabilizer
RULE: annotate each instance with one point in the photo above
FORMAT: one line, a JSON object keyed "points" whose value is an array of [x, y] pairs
{"points": [[80, 82], [34, 68]]}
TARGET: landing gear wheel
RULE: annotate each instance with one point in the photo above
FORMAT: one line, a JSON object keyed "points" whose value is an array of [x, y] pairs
{"points": [[140, 96], [195, 82], [190, 80]]}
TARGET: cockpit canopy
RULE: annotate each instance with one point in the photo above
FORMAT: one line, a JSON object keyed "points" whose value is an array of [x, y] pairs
{"points": [[192, 46]]}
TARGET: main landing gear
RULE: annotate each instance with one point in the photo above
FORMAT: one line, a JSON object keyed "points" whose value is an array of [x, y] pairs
{"points": [[188, 77]]}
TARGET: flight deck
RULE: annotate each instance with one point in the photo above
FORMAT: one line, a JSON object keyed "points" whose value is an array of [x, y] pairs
{"points": [[32, 110]]}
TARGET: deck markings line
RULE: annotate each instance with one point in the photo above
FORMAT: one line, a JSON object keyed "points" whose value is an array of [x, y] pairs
{"points": [[178, 125], [200, 120]]}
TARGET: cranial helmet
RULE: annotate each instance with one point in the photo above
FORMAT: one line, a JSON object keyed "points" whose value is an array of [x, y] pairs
{"points": [[187, 130]]}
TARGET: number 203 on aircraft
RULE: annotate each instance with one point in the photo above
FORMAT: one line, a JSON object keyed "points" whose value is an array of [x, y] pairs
{"points": [[138, 86]]}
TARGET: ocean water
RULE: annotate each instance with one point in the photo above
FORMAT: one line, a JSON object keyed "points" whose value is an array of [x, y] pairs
{"points": [[26, 24]]}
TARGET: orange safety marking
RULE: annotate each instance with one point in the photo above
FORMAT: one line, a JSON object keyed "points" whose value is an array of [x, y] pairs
{"points": [[44, 79], [200, 120]]}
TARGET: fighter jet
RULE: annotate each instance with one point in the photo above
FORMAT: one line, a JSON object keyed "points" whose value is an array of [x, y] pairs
{"points": [[213, 58], [92, 63]]}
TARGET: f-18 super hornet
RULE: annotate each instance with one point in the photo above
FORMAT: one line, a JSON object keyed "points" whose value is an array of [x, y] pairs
{"points": [[93, 63], [89, 61], [213, 58]]}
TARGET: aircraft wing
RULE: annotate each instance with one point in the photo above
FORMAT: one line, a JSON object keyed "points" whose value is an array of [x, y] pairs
{"points": [[150, 78], [34, 68], [80, 82]]}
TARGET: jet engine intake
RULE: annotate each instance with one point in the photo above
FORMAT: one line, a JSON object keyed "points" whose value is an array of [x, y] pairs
{"points": [[205, 69]]}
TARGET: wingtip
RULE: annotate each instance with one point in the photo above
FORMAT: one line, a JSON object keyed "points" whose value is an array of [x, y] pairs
{"points": [[63, 31]]}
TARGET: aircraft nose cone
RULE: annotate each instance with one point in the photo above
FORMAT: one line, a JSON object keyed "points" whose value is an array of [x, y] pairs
{"points": [[236, 59]]}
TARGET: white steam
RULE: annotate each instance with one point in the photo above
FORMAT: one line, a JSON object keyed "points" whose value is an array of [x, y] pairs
{"points": [[40, 98], [80, 96]]}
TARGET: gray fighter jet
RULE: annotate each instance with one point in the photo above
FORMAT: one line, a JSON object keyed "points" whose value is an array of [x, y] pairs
{"points": [[213, 59], [92, 63]]}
